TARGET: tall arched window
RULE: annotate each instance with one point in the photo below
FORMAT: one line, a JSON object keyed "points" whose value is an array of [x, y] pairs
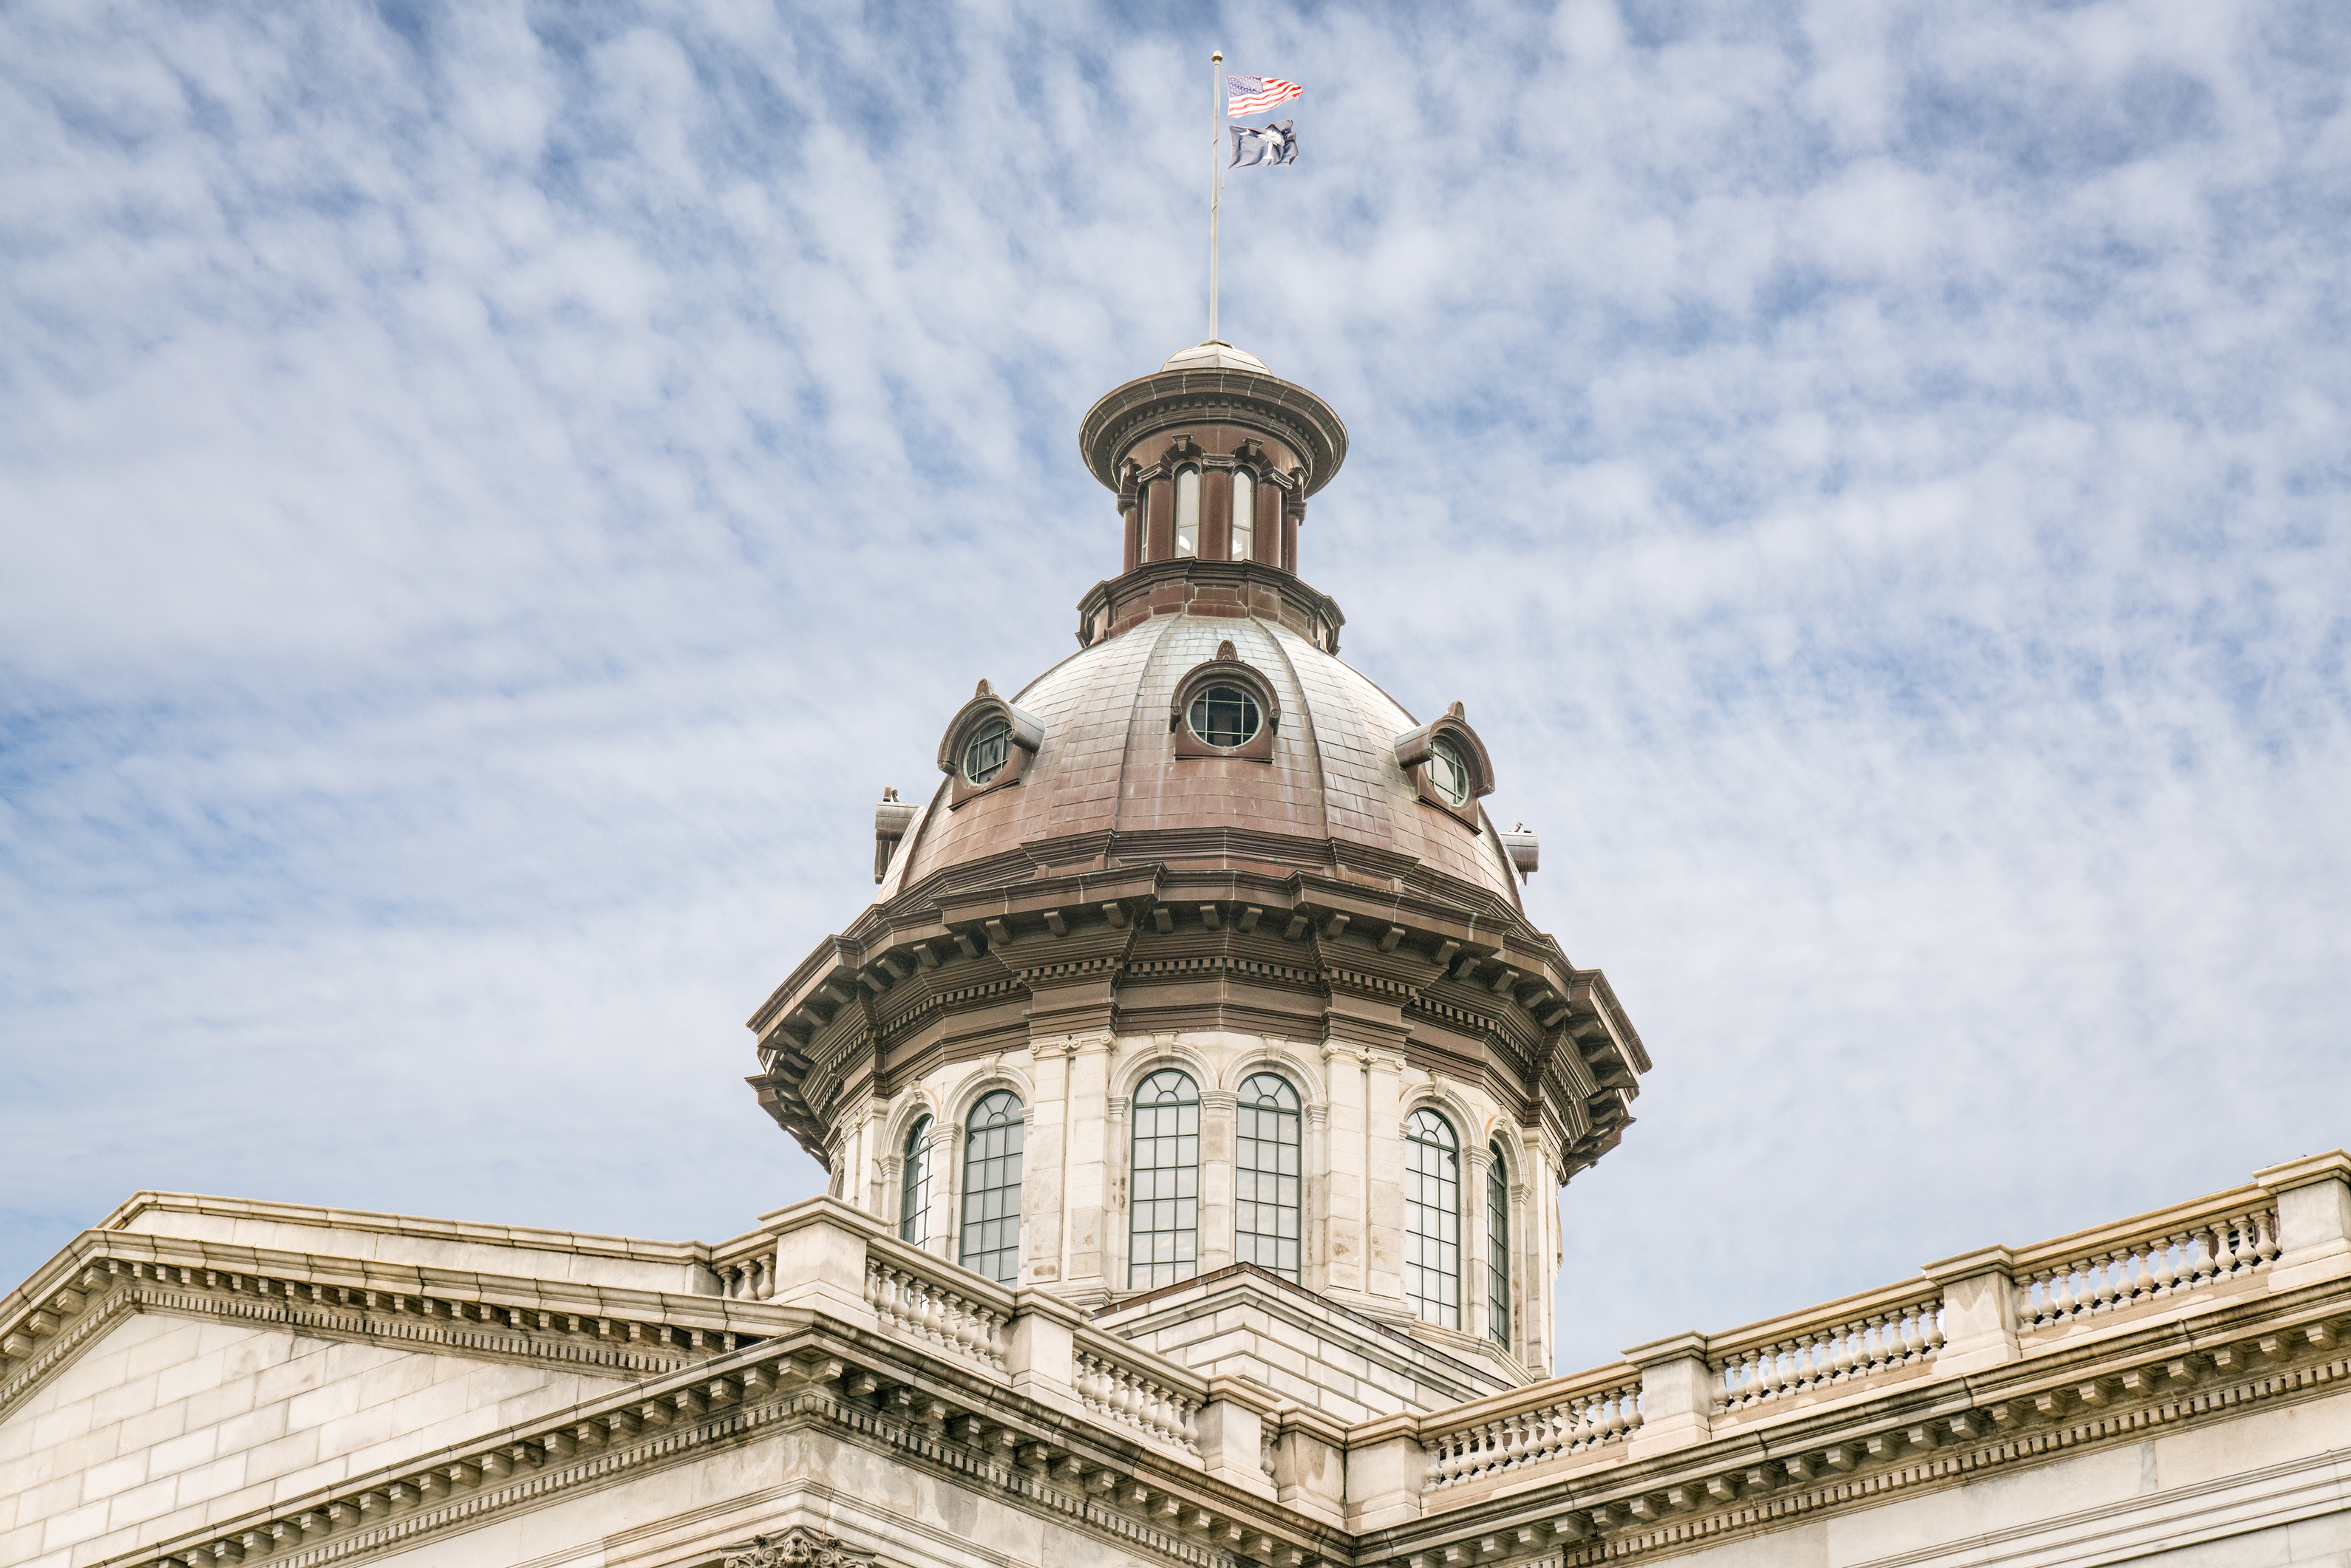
{"points": [[1266, 1176], [1187, 511], [1165, 1182], [1244, 513], [915, 1184], [1498, 1247], [991, 1188], [1432, 1219]]}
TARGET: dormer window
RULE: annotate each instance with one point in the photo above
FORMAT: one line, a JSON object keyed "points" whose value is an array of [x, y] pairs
{"points": [[1225, 715], [988, 746], [1244, 513], [1225, 708], [984, 755], [1448, 765]]}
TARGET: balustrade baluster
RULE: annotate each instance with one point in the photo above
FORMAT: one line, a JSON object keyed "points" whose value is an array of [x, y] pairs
{"points": [[2267, 1250]]}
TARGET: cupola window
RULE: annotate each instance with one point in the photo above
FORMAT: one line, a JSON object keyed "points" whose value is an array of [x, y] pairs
{"points": [[915, 1184], [986, 752], [1498, 1247], [1266, 1175], [1432, 1219], [1165, 1182], [1225, 715], [1448, 773], [1244, 513], [991, 1188], [1187, 511]]}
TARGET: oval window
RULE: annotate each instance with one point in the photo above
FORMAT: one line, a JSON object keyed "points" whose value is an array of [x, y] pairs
{"points": [[989, 747], [1225, 715], [1448, 773]]}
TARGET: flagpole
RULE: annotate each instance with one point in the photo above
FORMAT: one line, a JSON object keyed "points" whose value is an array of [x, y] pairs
{"points": [[1216, 173]]}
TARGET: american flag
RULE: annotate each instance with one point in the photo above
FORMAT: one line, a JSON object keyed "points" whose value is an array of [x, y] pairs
{"points": [[1250, 95]]}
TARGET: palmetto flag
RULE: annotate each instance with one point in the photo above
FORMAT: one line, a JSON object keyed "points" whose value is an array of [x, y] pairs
{"points": [[1254, 95], [1275, 143]]}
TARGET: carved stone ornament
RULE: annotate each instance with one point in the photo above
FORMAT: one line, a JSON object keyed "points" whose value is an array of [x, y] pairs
{"points": [[797, 1547]]}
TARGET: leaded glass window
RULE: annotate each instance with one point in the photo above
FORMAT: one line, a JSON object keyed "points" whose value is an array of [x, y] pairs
{"points": [[1165, 1185], [1225, 715], [1244, 513], [1266, 1176], [1432, 1219], [1498, 1247], [989, 747], [915, 1184], [991, 1188], [1187, 511]]}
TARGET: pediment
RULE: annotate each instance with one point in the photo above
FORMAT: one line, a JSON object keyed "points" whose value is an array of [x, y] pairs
{"points": [[193, 1410]]}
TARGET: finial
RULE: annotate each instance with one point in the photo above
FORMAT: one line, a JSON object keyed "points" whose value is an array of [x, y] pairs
{"points": [[889, 793], [1225, 652], [1452, 712], [987, 691]]}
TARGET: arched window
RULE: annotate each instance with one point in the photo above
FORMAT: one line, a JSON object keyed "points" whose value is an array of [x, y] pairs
{"points": [[1266, 1176], [1187, 511], [1165, 1185], [985, 753], [991, 1188], [915, 1184], [1498, 1247], [1244, 513], [1432, 1219]]}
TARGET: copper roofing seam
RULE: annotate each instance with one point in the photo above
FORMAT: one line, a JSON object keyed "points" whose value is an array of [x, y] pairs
{"points": [[1142, 682], [1306, 709]]}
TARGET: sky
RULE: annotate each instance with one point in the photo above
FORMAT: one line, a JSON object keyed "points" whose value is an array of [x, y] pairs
{"points": [[489, 495]]}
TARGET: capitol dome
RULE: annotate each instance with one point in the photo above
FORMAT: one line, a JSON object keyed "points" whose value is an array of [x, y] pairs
{"points": [[1106, 783], [1203, 969]]}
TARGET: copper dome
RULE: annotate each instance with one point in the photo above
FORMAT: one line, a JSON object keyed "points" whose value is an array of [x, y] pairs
{"points": [[1105, 785]]}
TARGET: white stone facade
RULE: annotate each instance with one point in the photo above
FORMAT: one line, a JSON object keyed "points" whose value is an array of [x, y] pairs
{"points": [[1076, 1220], [200, 1383]]}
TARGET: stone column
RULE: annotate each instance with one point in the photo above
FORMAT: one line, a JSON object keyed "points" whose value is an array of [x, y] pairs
{"points": [[1118, 1149], [1384, 1159], [1216, 1133], [1341, 1221], [1040, 1166]]}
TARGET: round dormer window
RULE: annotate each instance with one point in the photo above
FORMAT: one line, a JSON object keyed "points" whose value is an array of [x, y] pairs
{"points": [[1448, 773], [1225, 715], [989, 749]]}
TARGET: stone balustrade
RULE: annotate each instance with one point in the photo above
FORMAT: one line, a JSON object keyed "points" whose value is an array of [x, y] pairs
{"points": [[1111, 1383], [2157, 1257], [1559, 1419], [1844, 1344], [916, 1295]]}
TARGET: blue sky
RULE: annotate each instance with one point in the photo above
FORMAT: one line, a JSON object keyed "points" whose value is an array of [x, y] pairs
{"points": [[490, 495]]}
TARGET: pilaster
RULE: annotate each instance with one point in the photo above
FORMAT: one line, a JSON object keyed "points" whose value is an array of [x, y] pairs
{"points": [[1343, 1219], [1089, 1071], [1216, 1113], [1477, 1245], [1040, 1164], [1384, 1176]]}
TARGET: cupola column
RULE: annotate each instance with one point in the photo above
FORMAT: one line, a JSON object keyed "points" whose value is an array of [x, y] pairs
{"points": [[1217, 1108]]}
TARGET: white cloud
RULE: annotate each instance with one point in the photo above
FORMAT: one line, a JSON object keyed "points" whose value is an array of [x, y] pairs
{"points": [[489, 496]]}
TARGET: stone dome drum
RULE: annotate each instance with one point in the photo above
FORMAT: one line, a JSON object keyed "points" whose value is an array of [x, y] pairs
{"points": [[1203, 956]]}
